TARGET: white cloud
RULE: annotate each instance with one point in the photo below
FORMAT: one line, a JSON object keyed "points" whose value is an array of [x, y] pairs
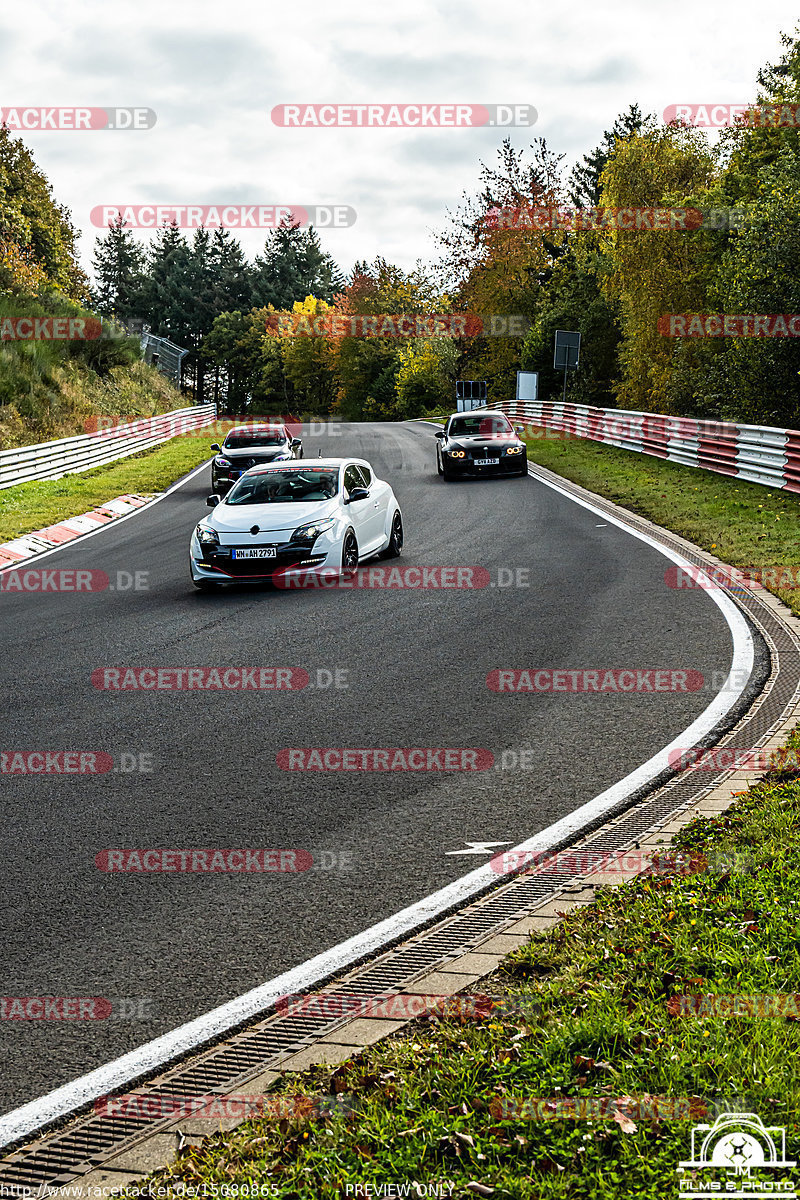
{"points": [[213, 72]]}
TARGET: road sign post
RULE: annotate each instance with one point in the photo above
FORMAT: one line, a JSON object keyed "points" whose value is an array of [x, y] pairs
{"points": [[567, 352]]}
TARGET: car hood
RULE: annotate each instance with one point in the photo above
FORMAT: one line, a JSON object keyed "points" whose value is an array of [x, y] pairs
{"points": [[474, 442], [235, 519], [263, 453]]}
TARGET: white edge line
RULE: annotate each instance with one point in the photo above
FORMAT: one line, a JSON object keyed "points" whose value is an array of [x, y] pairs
{"points": [[144, 1059], [23, 564]]}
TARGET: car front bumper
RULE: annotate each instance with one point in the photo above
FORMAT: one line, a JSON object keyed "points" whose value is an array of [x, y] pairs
{"points": [[290, 559], [508, 464]]}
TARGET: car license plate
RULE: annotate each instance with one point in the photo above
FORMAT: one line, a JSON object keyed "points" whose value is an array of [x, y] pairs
{"points": [[487, 462], [256, 552]]}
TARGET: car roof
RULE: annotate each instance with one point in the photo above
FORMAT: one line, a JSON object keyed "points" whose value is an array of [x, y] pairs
{"points": [[307, 464], [482, 412], [255, 429]]}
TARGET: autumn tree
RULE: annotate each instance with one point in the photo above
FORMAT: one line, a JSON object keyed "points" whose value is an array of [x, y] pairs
{"points": [[35, 230], [118, 265], [652, 272], [493, 255]]}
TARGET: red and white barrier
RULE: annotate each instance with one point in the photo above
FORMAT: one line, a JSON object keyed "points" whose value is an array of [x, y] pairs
{"points": [[30, 544], [755, 453]]}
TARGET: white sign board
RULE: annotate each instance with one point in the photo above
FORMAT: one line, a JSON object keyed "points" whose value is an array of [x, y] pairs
{"points": [[527, 385]]}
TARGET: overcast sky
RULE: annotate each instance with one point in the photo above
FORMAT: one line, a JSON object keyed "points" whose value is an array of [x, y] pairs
{"points": [[212, 72]]}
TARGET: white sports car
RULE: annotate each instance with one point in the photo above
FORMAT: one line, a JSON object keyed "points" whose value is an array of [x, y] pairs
{"points": [[287, 520]]}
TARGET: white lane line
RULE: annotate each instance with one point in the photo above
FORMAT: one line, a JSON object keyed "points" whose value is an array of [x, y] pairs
{"points": [[129, 1067], [110, 525]]}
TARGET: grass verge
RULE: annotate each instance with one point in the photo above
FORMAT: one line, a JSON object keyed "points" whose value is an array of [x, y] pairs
{"points": [[434, 1104], [31, 506], [744, 524]]}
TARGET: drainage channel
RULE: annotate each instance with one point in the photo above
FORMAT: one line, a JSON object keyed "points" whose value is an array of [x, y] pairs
{"points": [[87, 1141]]}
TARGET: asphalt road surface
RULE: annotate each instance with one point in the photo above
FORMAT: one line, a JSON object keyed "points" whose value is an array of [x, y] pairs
{"points": [[174, 945]]}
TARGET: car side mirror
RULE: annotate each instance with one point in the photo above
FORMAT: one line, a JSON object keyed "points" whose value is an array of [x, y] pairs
{"points": [[216, 446], [295, 443], [358, 493], [439, 433], [213, 501], [519, 429]]}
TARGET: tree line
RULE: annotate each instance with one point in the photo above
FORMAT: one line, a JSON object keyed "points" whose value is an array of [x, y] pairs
{"points": [[609, 281]]}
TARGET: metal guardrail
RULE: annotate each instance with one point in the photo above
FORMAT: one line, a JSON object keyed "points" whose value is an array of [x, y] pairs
{"points": [[164, 355], [70, 456], [755, 453]]}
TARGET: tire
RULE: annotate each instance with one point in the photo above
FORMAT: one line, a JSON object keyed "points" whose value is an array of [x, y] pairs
{"points": [[349, 555], [439, 470], [203, 585], [395, 545]]}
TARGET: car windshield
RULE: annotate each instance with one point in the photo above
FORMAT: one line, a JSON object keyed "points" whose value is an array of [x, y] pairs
{"points": [[241, 441], [480, 427], [291, 486]]}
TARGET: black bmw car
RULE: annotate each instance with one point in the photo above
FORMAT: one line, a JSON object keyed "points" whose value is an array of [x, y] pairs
{"points": [[480, 443], [248, 446]]}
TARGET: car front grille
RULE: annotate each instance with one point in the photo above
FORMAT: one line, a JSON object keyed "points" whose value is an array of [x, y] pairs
{"points": [[242, 568]]}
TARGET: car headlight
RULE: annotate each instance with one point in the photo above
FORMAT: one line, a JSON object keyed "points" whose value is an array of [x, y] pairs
{"points": [[308, 533], [207, 536], [514, 449], [219, 461], [457, 453]]}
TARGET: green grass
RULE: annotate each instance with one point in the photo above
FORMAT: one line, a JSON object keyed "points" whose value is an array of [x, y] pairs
{"points": [[31, 506], [49, 388], [423, 1103], [744, 524]]}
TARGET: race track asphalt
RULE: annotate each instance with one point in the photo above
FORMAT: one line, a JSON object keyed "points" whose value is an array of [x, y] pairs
{"points": [[416, 660]]}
